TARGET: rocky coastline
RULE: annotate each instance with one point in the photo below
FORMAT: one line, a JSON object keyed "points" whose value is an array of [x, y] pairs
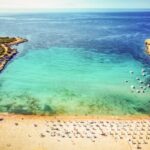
{"points": [[6, 50], [147, 44]]}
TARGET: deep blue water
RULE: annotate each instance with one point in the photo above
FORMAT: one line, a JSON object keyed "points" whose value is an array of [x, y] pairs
{"points": [[119, 33]]}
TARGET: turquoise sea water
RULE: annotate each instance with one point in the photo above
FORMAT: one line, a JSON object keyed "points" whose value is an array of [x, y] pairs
{"points": [[65, 68]]}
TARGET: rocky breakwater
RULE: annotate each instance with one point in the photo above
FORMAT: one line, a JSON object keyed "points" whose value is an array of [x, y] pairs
{"points": [[6, 50]]}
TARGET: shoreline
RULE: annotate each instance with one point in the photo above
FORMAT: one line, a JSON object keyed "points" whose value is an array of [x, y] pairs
{"points": [[76, 117]]}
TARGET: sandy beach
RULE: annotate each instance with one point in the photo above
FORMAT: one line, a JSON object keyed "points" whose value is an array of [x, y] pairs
{"points": [[20, 132]]}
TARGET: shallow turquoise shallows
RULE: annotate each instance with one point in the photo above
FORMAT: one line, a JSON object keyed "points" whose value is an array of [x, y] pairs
{"points": [[72, 81]]}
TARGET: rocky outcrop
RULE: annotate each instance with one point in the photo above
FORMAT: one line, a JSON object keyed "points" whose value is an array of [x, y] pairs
{"points": [[147, 43], [6, 52]]}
